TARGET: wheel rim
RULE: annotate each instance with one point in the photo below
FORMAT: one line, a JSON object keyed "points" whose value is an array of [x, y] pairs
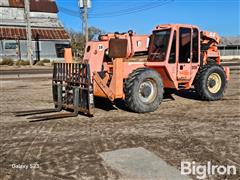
{"points": [[214, 83], [148, 91]]}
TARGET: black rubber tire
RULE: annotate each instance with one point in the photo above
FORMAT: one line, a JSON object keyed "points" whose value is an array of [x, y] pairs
{"points": [[132, 87], [201, 82]]}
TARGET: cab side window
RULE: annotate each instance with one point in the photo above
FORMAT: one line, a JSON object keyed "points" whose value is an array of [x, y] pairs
{"points": [[184, 45], [195, 45], [172, 58]]}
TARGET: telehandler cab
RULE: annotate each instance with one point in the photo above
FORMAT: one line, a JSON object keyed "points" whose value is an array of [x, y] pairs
{"points": [[138, 68]]}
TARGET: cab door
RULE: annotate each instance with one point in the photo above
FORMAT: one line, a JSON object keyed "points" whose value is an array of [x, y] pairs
{"points": [[184, 54]]}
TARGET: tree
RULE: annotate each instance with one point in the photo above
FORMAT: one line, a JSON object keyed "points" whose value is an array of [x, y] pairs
{"points": [[78, 40], [77, 43], [94, 32]]}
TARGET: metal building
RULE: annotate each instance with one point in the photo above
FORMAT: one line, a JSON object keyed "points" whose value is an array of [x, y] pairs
{"points": [[48, 34], [230, 48]]}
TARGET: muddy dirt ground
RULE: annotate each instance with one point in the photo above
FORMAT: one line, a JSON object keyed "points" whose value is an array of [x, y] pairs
{"points": [[181, 129]]}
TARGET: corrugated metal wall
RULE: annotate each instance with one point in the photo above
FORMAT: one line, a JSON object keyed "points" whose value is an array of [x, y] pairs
{"points": [[230, 52], [36, 5]]}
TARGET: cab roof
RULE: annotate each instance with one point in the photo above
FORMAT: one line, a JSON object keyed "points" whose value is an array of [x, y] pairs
{"points": [[165, 26]]}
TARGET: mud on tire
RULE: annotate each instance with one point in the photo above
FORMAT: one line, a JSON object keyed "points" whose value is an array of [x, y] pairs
{"points": [[211, 82], [143, 90]]}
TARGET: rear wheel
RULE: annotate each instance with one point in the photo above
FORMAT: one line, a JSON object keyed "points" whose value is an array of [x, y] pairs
{"points": [[143, 90], [211, 83]]}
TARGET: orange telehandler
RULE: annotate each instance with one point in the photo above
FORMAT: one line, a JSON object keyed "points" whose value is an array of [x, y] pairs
{"points": [[138, 68]]}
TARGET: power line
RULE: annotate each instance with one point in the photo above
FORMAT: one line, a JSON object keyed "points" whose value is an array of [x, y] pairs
{"points": [[145, 8], [132, 8], [136, 9]]}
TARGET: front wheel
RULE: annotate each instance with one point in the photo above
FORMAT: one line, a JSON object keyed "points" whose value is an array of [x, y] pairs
{"points": [[211, 83], [143, 90]]}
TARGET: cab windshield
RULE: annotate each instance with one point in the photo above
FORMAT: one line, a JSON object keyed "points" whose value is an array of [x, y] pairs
{"points": [[159, 45]]}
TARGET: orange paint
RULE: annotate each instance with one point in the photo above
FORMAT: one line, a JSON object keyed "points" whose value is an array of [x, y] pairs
{"points": [[114, 71], [68, 55]]}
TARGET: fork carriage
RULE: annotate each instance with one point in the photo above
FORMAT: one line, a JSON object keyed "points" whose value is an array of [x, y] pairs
{"points": [[72, 87]]}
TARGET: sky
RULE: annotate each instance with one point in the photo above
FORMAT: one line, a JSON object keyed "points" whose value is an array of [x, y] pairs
{"points": [[222, 16]]}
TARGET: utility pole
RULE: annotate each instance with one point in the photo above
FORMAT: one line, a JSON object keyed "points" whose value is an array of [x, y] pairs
{"points": [[85, 16], [29, 32], [19, 49], [84, 5]]}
